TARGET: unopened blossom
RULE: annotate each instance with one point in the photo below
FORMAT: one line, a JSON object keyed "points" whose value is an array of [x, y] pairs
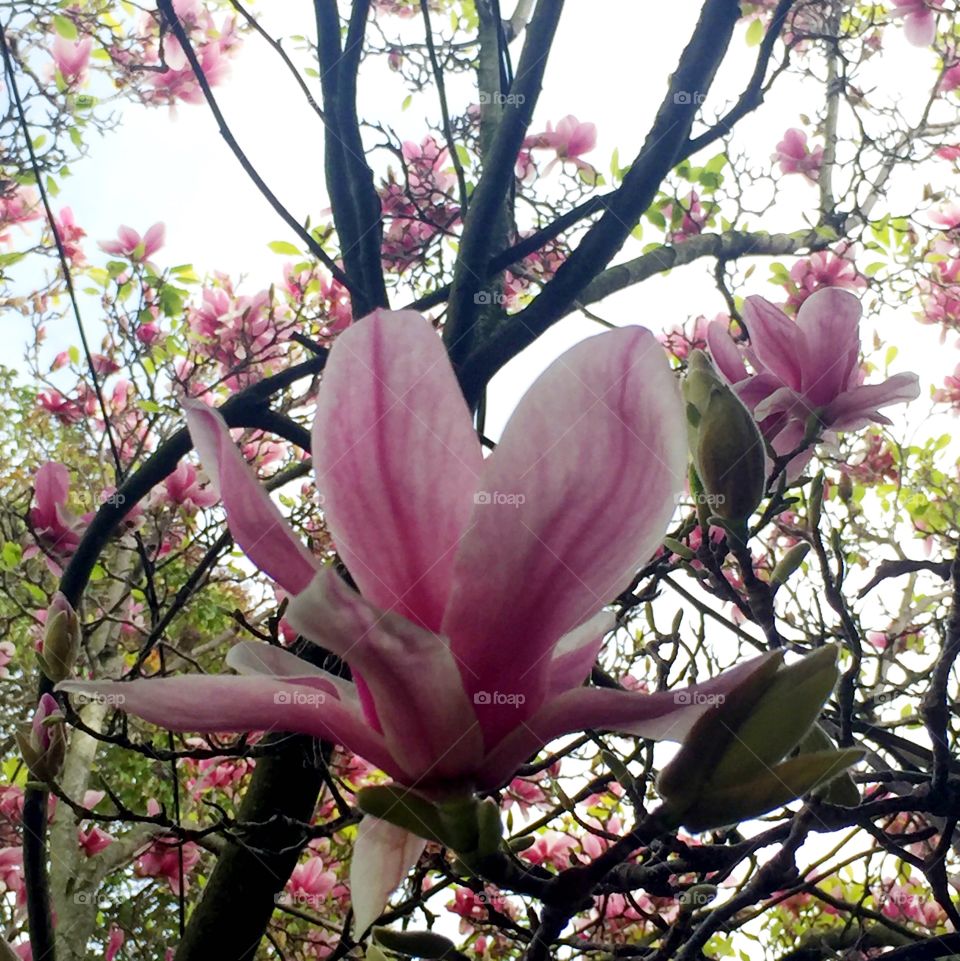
{"points": [[130, 244], [795, 157], [114, 943], [71, 57], [919, 20], [481, 614]]}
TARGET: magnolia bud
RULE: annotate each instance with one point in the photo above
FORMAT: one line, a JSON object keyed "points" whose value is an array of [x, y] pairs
{"points": [[726, 446], [61, 640], [43, 742], [789, 563], [402, 808], [731, 767]]}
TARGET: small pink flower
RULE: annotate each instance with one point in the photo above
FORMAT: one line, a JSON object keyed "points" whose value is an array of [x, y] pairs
{"points": [[183, 488], [114, 943], [93, 841], [71, 57], [949, 153], [570, 140], [70, 236], [131, 245], [162, 860], [795, 157], [919, 20]]}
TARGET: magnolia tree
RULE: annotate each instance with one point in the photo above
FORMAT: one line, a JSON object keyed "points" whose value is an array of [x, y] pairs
{"points": [[662, 669]]}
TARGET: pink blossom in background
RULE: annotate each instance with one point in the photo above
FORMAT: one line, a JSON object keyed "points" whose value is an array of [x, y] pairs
{"points": [[949, 393], [919, 20], [71, 57], [823, 268], [947, 217], [950, 79], [795, 157], [679, 341], [162, 861], [949, 153], [310, 883], [18, 206], [54, 525], [70, 236], [552, 848], [11, 873], [898, 902], [7, 653], [940, 294], [183, 488], [114, 943], [569, 141], [92, 840], [805, 367], [131, 245], [686, 218]]}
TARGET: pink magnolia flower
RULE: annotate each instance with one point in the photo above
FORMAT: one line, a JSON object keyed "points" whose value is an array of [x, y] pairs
{"points": [[795, 157], [71, 57], [552, 848], [311, 882], [183, 488], [570, 140], [949, 152], [162, 860], [685, 218], [919, 20], [70, 236], [54, 525], [93, 841], [807, 368], [18, 206], [481, 578], [823, 269], [130, 244]]}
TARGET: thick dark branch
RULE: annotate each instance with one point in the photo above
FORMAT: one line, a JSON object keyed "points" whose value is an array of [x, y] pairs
{"points": [[753, 93], [349, 179], [496, 182], [663, 146]]}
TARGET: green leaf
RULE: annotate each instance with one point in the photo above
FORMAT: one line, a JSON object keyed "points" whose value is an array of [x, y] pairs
{"points": [[283, 247], [65, 27], [755, 33]]}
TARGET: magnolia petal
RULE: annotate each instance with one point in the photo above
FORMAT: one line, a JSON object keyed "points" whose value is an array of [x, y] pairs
{"points": [[217, 703], [858, 407], [775, 340], [920, 28], [383, 855], [254, 657], [255, 521], [428, 721], [664, 716], [724, 352], [396, 460], [577, 651], [830, 322], [574, 499]]}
